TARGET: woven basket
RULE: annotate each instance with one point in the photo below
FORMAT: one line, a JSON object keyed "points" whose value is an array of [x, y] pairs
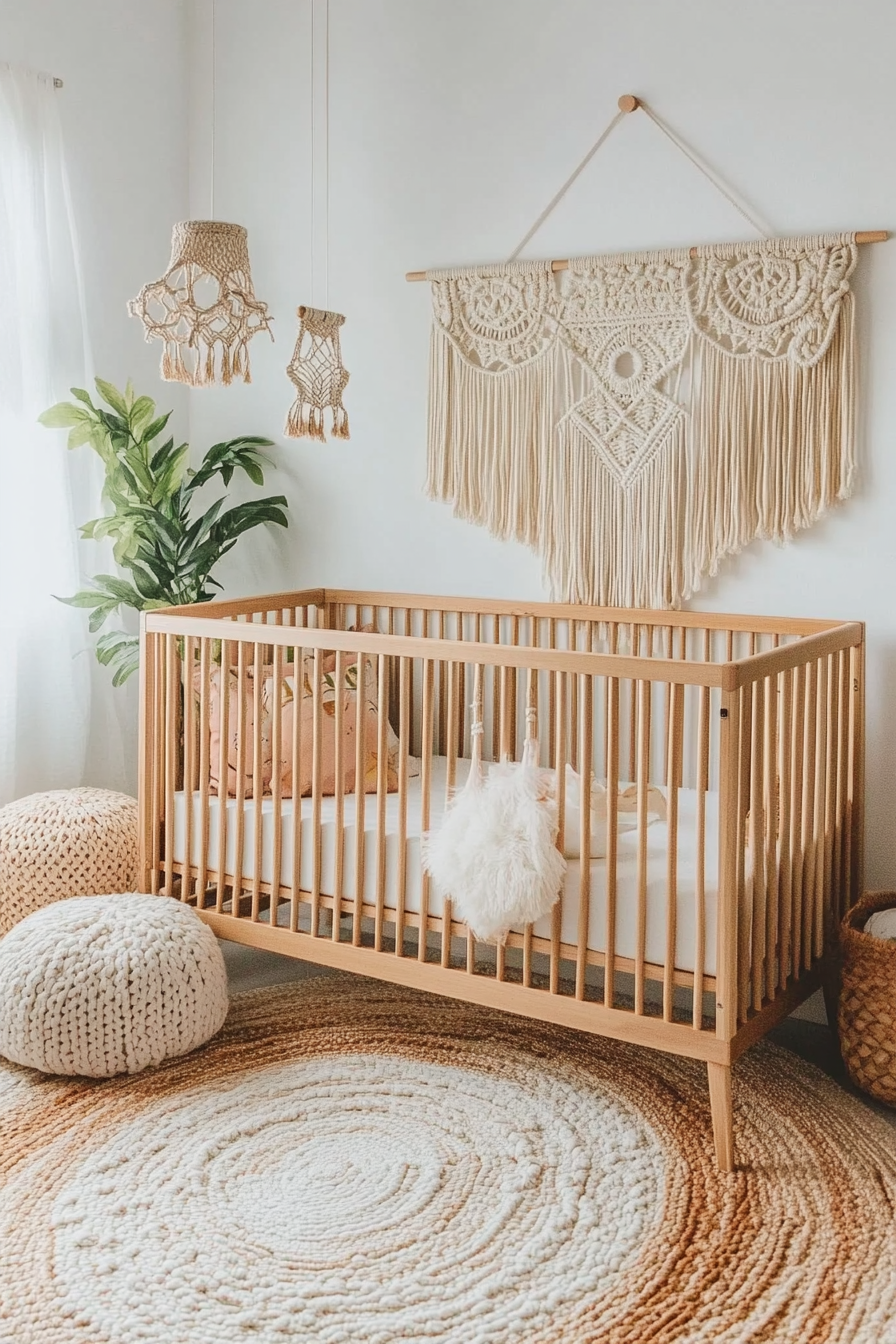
{"points": [[867, 1012]]}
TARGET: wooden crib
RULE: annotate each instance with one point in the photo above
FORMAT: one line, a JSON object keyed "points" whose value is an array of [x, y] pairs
{"points": [[694, 933]]}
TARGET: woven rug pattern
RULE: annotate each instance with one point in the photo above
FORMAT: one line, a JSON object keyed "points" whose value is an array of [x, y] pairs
{"points": [[354, 1162]]}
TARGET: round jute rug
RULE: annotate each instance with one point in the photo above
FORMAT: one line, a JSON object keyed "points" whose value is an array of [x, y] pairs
{"points": [[352, 1162]]}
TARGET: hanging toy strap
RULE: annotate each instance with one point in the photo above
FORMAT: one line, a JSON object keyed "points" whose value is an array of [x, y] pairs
{"points": [[530, 747], [476, 729]]}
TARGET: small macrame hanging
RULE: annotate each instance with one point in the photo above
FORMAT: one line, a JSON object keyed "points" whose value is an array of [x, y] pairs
{"points": [[316, 367], [205, 342], [204, 307], [320, 377]]}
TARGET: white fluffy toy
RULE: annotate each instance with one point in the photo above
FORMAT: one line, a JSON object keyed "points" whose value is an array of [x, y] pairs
{"points": [[495, 853]]}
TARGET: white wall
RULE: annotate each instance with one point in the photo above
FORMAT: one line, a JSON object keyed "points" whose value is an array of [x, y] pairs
{"points": [[450, 128], [124, 114]]}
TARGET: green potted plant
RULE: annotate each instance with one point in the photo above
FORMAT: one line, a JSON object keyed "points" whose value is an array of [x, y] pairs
{"points": [[162, 537]]}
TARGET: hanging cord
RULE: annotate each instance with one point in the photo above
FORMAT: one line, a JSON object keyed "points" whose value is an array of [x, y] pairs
{"points": [[326, 153], [566, 185], [679, 144], [311, 86], [214, 115], [707, 172]]}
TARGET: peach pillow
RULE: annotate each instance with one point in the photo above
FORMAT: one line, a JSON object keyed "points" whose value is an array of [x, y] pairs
{"points": [[369, 717]]}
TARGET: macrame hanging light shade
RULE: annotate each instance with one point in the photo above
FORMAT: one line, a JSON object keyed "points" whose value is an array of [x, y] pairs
{"points": [[204, 307], [319, 375]]}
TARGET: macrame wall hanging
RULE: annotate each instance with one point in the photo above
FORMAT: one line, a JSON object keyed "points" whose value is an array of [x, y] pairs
{"points": [[637, 418], [316, 366], [204, 307]]}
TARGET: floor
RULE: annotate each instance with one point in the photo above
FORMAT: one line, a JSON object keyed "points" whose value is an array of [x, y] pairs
{"points": [[249, 968]]}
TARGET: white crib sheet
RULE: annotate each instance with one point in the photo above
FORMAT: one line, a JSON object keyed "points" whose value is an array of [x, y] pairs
{"points": [[626, 863]]}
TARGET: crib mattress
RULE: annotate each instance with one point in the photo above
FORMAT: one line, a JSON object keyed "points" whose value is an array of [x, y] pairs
{"points": [[626, 863]]}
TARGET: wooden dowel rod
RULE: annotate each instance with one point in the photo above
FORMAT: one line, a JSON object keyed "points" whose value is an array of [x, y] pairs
{"points": [[562, 264]]}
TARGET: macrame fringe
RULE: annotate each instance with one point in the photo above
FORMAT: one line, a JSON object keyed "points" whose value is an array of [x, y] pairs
{"points": [[766, 451], [205, 365], [486, 437], [307, 422]]}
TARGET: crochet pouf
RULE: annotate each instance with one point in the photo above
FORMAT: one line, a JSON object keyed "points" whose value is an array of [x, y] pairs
{"points": [[99, 985], [70, 842]]}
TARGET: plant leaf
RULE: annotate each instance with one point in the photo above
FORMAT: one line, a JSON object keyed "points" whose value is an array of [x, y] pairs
{"points": [[112, 397], [62, 416]]}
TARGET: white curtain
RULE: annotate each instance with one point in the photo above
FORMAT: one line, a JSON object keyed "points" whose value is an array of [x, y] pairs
{"points": [[48, 687]]}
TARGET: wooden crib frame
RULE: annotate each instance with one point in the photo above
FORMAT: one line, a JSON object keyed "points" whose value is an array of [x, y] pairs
{"points": [[767, 711]]}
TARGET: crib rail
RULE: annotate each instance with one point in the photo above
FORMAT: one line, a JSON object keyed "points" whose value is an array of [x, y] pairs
{"points": [[750, 728]]}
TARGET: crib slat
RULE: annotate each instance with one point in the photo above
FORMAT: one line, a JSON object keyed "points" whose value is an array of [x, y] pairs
{"points": [[772, 822], [796, 821], [552, 705], [674, 729], [441, 747], [700, 859], [241, 746], [820, 833], [360, 798], [204, 771], [404, 722], [531, 705], [785, 850], [339, 675], [643, 780], [189, 754], [257, 779], [476, 708], [826, 922], [156, 680], [382, 780], [276, 779], [634, 649], [296, 755], [757, 842], [809, 820], [316, 767], [497, 717], [450, 781], [610, 849], [558, 686], [744, 919], [425, 794], [227, 654], [171, 752], [586, 713], [840, 882]]}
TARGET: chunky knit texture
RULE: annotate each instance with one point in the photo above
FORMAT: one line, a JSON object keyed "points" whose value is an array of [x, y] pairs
{"points": [[867, 1009], [99, 985], [70, 842]]}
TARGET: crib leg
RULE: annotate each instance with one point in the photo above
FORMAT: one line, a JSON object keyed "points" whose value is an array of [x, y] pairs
{"points": [[722, 1114]]}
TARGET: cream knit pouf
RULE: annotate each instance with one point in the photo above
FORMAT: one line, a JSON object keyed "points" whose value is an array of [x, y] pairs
{"points": [[70, 842], [99, 985]]}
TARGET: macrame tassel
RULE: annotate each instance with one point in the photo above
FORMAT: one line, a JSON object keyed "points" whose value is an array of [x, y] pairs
{"points": [[317, 370]]}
